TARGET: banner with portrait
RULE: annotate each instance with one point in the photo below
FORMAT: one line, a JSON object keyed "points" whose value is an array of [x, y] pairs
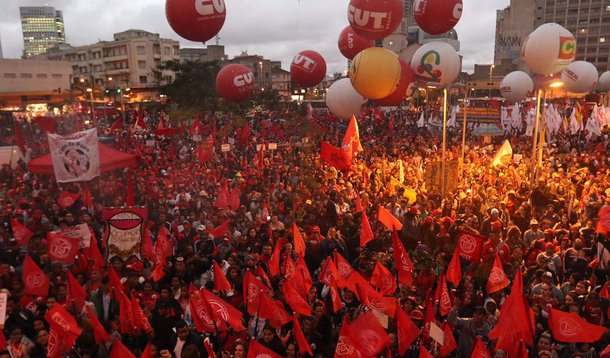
{"points": [[123, 234], [75, 156]]}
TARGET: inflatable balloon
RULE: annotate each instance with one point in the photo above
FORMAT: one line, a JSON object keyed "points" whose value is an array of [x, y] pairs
{"points": [[350, 43], [375, 72], [196, 20], [436, 62], [549, 49], [404, 89], [604, 81], [437, 16], [235, 83], [579, 77], [342, 99], [374, 19], [516, 86], [308, 68]]}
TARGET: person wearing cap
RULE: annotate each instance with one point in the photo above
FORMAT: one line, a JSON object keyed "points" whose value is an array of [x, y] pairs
{"points": [[495, 245], [470, 328], [313, 241], [533, 233], [547, 279], [549, 259], [494, 215]]}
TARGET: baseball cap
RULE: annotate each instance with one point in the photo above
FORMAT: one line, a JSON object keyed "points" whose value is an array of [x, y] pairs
{"points": [[547, 274], [201, 228], [494, 211]]}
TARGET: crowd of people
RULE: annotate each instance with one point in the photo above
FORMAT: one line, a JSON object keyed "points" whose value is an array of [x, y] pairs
{"points": [[542, 227]]}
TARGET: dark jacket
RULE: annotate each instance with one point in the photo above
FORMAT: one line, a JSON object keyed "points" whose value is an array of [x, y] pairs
{"points": [[192, 339]]}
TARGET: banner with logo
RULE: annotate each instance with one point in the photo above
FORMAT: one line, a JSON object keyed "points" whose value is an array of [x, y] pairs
{"points": [[123, 235], [75, 156], [79, 232]]}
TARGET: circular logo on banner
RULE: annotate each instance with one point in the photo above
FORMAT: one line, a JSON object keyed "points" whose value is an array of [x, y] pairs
{"points": [[219, 310], [468, 244], [445, 300], [388, 283], [35, 280], [53, 346], [76, 162], [569, 327], [203, 315], [58, 319], [67, 201], [60, 248], [344, 348], [252, 293], [344, 269], [496, 275]]}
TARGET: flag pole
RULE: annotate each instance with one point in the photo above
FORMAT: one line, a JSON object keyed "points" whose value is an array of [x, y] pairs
{"points": [[443, 174], [534, 163], [464, 135]]}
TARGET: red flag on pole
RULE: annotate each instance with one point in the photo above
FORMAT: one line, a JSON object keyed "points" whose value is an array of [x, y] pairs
{"points": [[329, 275], [76, 291], [21, 233], [295, 300], [404, 265], [444, 299], [406, 329], [366, 233], [67, 199], [479, 350], [449, 343], [120, 351], [253, 289], [220, 280], [221, 230], [423, 352], [383, 279], [497, 278], [571, 328], [117, 125], [141, 321], [99, 332], [274, 261], [351, 139], [257, 350], [470, 245], [454, 271], [344, 268], [345, 346], [388, 220], [367, 335], [373, 299], [36, 282], [335, 157], [223, 310], [67, 328], [297, 238], [300, 337], [273, 311], [61, 248]]}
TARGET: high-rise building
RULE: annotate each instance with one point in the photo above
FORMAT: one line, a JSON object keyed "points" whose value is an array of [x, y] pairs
{"points": [[42, 28], [588, 20]]}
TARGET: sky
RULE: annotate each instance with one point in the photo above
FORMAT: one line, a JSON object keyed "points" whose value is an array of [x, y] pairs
{"points": [[275, 29]]}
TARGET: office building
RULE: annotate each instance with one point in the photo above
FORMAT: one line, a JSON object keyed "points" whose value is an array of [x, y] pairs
{"points": [[208, 54], [42, 28]]}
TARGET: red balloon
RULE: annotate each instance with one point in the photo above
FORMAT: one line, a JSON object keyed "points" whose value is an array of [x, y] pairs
{"points": [[437, 16], [235, 83], [374, 19], [308, 68], [403, 90], [350, 43], [196, 20]]}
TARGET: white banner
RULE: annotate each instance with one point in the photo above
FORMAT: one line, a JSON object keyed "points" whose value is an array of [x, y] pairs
{"points": [[80, 232], [76, 156]]}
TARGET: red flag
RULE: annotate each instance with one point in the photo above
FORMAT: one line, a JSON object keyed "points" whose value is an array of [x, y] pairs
{"points": [[117, 125], [479, 350], [205, 151], [243, 136], [126, 314], [220, 280], [209, 348], [47, 124], [76, 291], [344, 268], [497, 278], [470, 245], [345, 346], [449, 343], [61, 248], [295, 300], [67, 328], [141, 321], [299, 243], [58, 346], [116, 286], [99, 332], [95, 255], [335, 157], [383, 279], [351, 139], [263, 275], [605, 353], [366, 233], [223, 310], [300, 337], [373, 300], [571, 328], [404, 265], [202, 318], [120, 351], [423, 352], [21, 233], [257, 350], [603, 225], [304, 271], [359, 207], [88, 198], [67, 199], [388, 220], [443, 297], [234, 199], [139, 122], [253, 289], [353, 280], [273, 311], [163, 246], [454, 271], [274, 260], [522, 350], [329, 275], [221, 230], [367, 335], [130, 196], [222, 197], [196, 127], [148, 251], [406, 329], [158, 272], [19, 138], [336, 299], [36, 282]]}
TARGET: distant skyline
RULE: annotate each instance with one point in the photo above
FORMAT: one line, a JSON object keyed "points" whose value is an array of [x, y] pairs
{"points": [[275, 29]]}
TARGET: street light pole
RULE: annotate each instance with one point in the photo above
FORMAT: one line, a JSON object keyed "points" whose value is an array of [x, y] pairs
{"points": [[90, 90], [491, 71]]}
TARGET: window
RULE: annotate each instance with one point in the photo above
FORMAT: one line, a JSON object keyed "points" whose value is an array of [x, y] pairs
{"points": [[143, 79], [26, 75], [57, 75], [142, 65], [41, 75], [167, 51], [141, 50], [602, 39], [10, 75]]}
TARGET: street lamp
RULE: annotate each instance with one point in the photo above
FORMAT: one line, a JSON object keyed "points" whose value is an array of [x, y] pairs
{"points": [[90, 90], [491, 71], [260, 63]]}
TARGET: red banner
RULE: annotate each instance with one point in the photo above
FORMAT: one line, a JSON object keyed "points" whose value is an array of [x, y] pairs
{"points": [[470, 245]]}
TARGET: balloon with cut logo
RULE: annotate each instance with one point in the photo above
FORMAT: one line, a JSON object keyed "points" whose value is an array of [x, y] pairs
{"points": [[350, 43], [579, 77], [196, 20], [604, 81], [403, 90], [235, 83], [437, 16], [374, 19], [516, 86], [308, 68], [342, 99], [375, 72], [549, 49], [436, 62]]}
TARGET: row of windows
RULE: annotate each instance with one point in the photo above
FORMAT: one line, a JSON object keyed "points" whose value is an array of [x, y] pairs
{"points": [[29, 75]]}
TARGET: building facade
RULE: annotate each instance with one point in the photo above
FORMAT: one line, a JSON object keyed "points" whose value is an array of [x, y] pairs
{"points": [[208, 54], [34, 81], [260, 67], [42, 28]]}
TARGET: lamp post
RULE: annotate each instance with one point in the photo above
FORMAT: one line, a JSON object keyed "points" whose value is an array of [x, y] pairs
{"points": [[464, 133], [260, 63], [90, 90], [491, 71]]}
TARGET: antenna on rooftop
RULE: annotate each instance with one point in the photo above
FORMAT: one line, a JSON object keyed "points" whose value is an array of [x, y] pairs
{"points": [[217, 40]]}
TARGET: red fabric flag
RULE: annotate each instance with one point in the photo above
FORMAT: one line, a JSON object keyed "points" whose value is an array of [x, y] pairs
{"points": [[454, 271], [205, 150], [47, 124], [345, 346], [257, 350], [220, 280], [120, 351], [263, 275], [344, 268], [58, 346], [21, 233], [196, 127], [253, 289], [295, 300], [126, 314], [130, 196], [383, 279], [209, 348], [158, 272], [116, 287], [359, 207], [329, 275], [223, 310], [571, 328], [404, 265], [221, 230], [406, 329], [243, 136], [605, 353], [423, 352], [274, 260], [222, 197], [61, 248], [336, 299], [304, 271], [273, 311], [335, 157], [117, 125], [366, 233], [148, 251], [19, 138], [163, 246], [298, 242], [141, 321], [88, 198], [497, 278], [449, 343], [522, 350], [351, 139], [67, 199], [479, 350], [367, 335], [202, 318], [289, 268], [139, 122], [603, 225], [353, 280], [300, 337], [67, 328], [99, 332], [234, 199], [388, 220], [76, 292], [36, 282], [95, 255], [470, 245], [442, 295], [373, 300]]}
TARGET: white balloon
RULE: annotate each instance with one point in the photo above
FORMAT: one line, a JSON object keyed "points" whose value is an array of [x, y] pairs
{"points": [[579, 77], [436, 62], [516, 86], [604, 81], [342, 99], [549, 49]]}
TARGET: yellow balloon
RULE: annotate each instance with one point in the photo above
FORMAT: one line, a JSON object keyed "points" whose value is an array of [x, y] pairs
{"points": [[375, 72]]}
